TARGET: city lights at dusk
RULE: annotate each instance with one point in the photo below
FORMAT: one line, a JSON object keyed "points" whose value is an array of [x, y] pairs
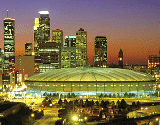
{"points": [[79, 62]]}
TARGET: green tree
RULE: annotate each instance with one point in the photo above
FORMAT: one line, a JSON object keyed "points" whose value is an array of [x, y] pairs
{"points": [[60, 102], [68, 95], [73, 95]]}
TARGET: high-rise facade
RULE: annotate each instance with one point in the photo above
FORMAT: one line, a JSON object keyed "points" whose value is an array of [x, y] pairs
{"points": [[153, 61], [9, 45], [41, 30], [100, 57], [28, 49], [68, 57], [70, 41], [68, 54], [41, 35], [120, 59], [57, 36], [9, 54], [81, 48], [50, 53]]}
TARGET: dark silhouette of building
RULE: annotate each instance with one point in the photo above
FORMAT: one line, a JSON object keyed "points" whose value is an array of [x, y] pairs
{"points": [[100, 57], [120, 59]]}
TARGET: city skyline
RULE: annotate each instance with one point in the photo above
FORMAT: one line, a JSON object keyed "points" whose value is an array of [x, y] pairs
{"points": [[132, 26]]}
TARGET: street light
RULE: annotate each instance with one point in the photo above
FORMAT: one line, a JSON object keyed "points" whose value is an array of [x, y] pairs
{"points": [[74, 118], [32, 115]]}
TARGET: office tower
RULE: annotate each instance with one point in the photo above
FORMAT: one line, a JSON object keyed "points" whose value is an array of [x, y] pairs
{"points": [[81, 48], [28, 49], [57, 36], [68, 54], [70, 41], [9, 52], [41, 35], [100, 57], [68, 57], [41, 30], [50, 53], [153, 61], [1, 67], [120, 59]]}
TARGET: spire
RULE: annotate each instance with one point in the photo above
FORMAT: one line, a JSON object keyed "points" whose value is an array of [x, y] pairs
{"points": [[7, 13]]}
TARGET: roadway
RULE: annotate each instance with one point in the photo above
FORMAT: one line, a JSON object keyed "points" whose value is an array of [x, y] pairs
{"points": [[50, 116]]}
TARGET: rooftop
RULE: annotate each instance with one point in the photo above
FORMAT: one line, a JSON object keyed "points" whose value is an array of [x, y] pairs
{"points": [[91, 74]]}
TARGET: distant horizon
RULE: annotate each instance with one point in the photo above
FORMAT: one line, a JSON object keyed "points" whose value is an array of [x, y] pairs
{"points": [[132, 26]]}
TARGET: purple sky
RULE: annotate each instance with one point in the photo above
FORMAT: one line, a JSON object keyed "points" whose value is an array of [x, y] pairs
{"points": [[132, 25]]}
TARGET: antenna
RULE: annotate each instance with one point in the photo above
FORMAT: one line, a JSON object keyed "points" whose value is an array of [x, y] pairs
{"points": [[7, 13]]}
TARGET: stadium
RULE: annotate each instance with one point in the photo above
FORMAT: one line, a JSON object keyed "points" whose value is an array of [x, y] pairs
{"points": [[91, 81]]}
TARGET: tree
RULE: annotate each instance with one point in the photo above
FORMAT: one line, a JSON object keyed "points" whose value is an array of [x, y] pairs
{"points": [[86, 103], [68, 95], [102, 104], [114, 95], [123, 104], [105, 95], [118, 104], [65, 102], [92, 103], [125, 94], [97, 103], [45, 94], [107, 103], [60, 102], [101, 95], [81, 102], [73, 95], [76, 102], [138, 104]]}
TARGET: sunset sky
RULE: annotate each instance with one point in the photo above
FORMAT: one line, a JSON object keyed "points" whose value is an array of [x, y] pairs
{"points": [[132, 25]]}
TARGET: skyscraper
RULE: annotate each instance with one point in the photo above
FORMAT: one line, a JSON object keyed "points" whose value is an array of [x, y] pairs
{"points": [[28, 49], [100, 57], [120, 59], [81, 48], [41, 30], [68, 54], [70, 41], [41, 34], [9, 45], [57, 36]]}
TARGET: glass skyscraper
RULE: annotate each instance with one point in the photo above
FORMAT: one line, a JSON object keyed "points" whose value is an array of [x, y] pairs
{"points": [[81, 48], [41, 30], [9, 45], [100, 57]]}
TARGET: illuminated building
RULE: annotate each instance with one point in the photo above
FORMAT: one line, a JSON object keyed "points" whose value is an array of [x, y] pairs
{"points": [[57, 36], [9, 45], [100, 57], [91, 81], [28, 49], [120, 59], [81, 48], [154, 65], [68, 57], [41, 35], [70, 41], [41, 30], [68, 54], [9, 53], [50, 53], [153, 61], [1, 67]]}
